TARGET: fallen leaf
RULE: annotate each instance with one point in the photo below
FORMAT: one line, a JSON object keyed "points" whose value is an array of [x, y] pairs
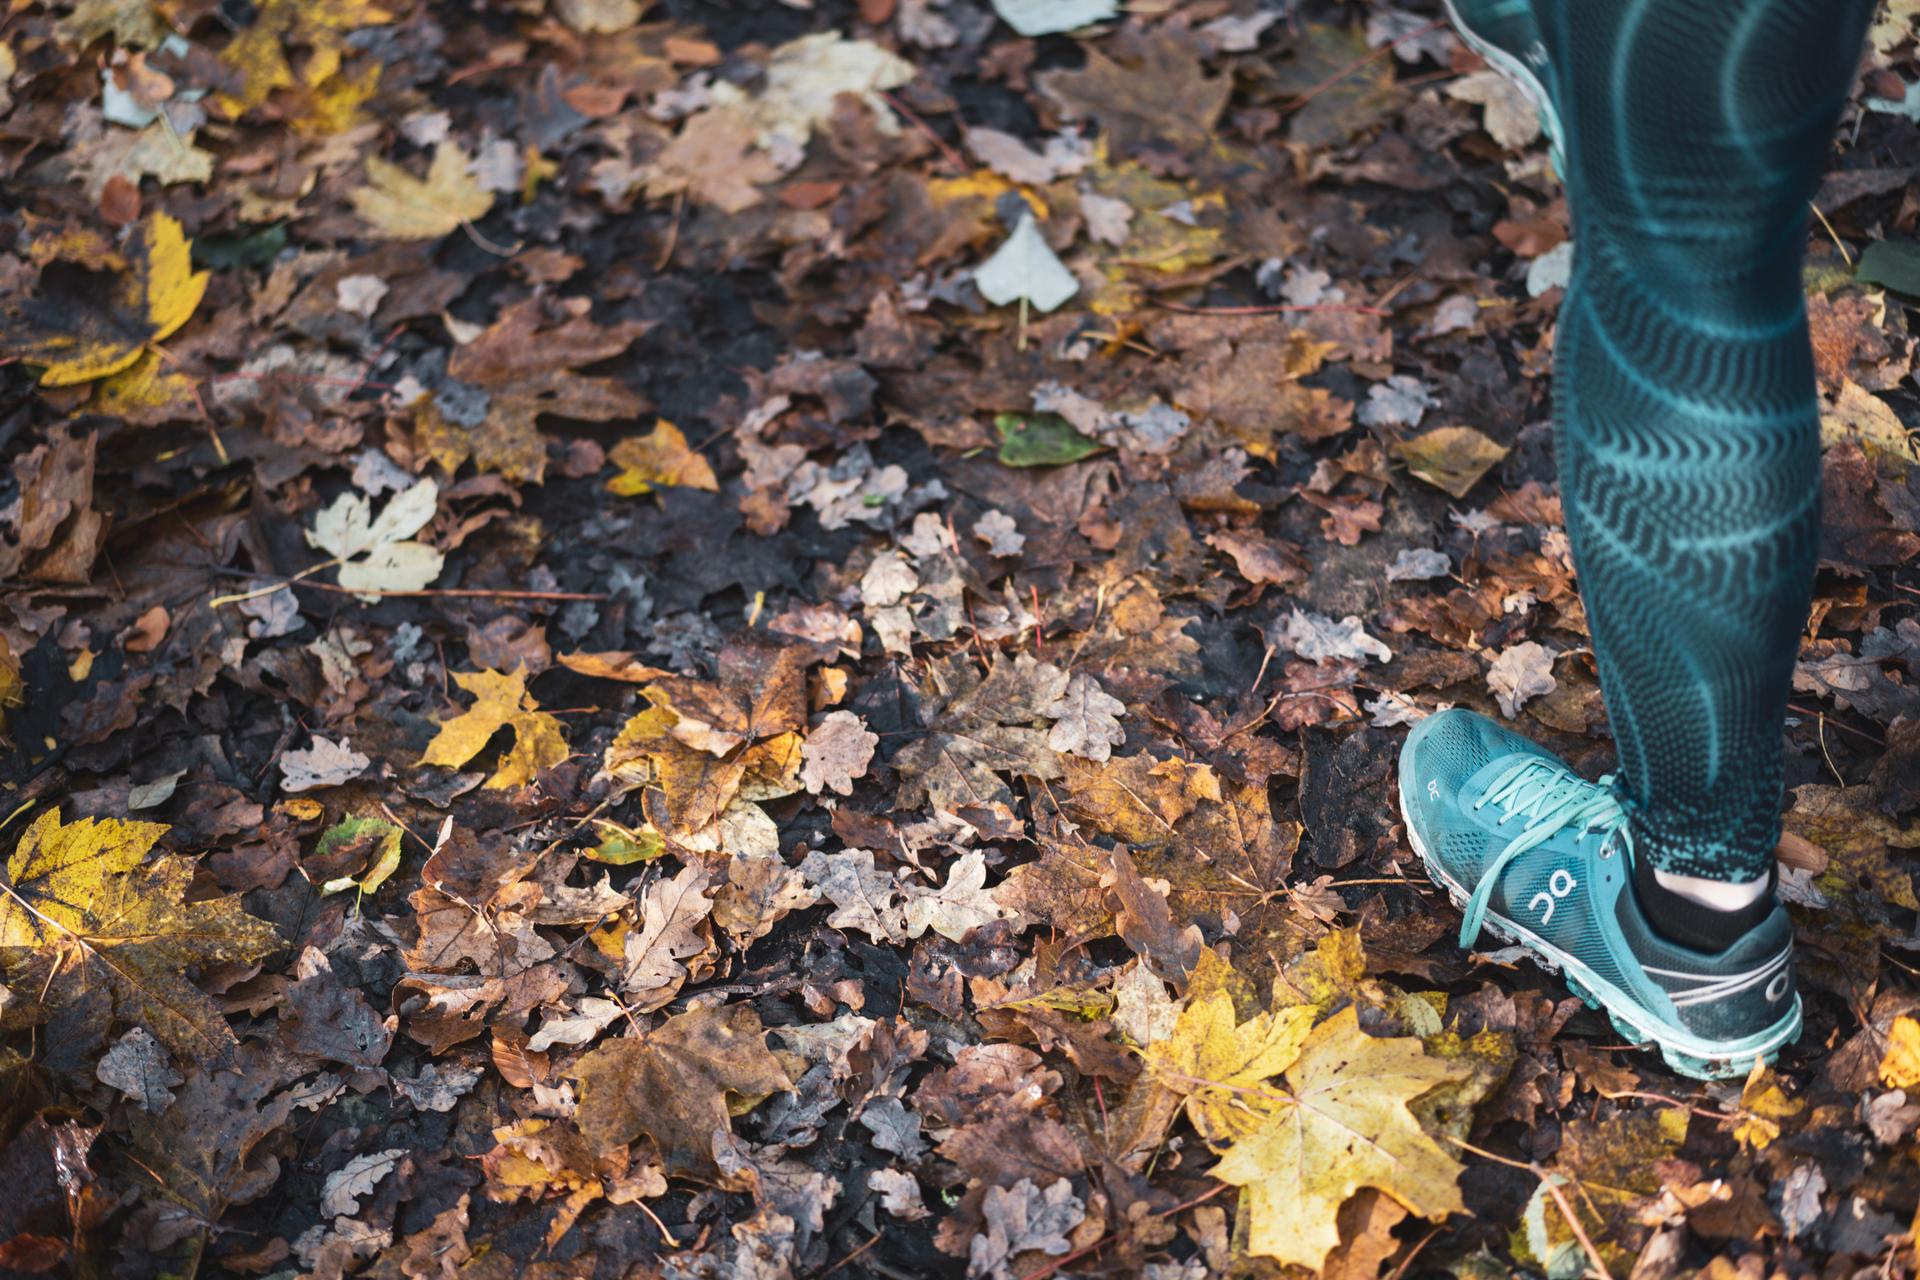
{"points": [[1341, 1123], [400, 206], [100, 328], [677, 1084], [94, 934], [863, 898], [956, 908], [1086, 719], [1045, 17], [1451, 458], [138, 1066], [1025, 268], [1041, 440], [658, 460], [500, 701], [364, 850], [1320, 639], [324, 764], [803, 79], [1511, 119], [377, 553], [1023, 1219], [654, 958], [836, 752], [1520, 672], [1900, 1065], [1000, 533], [1166, 101], [340, 1193]]}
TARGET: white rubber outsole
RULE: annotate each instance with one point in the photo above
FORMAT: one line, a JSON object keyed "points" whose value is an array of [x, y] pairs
{"points": [[1684, 1052]]}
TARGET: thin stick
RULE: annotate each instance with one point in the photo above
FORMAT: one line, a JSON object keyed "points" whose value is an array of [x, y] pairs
{"points": [[1831, 233], [1553, 1189], [952, 157], [661, 1227], [673, 231], [1276, 309], [877, 1238], [470, 593], [276, 588]]}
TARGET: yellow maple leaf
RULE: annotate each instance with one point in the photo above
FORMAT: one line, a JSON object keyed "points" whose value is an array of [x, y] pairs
{"points": [[500, 700], [1765, 1108], [658, 460], [258, 52], [1339, 1123], [400, 206], [80, 915], [1900, 1065], [1221, 1067], [86, 332]]}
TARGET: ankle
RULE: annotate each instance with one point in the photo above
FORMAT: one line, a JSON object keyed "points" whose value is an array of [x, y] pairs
{"points": [[1702, 914]]}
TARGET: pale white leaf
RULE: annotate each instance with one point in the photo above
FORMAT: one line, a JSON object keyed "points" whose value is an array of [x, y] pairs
{"points": [[341, 1191], [1047, 17], [1025, 267], [324, 764], [836, 752], [1520, 672]]}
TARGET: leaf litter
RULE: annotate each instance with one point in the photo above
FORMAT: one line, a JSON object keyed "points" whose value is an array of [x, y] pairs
{"points": [[768, 640]]}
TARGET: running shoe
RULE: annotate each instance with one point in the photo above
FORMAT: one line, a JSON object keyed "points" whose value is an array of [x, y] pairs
{"points": [[1541, 858]]}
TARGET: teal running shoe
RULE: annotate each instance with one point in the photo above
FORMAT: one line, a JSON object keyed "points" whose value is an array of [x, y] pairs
{"points": [[1540, 857], [1504, 33]]}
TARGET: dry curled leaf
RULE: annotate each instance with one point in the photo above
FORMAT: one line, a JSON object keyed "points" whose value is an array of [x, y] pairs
{"points": [[677, 1084]]}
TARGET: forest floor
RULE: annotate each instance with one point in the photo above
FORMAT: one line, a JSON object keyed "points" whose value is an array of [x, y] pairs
{"points": [[679, 638]]}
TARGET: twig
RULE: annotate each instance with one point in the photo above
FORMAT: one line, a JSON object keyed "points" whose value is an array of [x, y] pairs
{"points": [[497, 250], [952, 157], [1833, 235], [1815, 712], [1275, 309], [471, 593], [673, 231], [1553, 1189], [877, 1238], [274, 589]]}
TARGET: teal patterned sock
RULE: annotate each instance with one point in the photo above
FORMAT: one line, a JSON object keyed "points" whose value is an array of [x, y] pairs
{"points": [[1687, 429]]}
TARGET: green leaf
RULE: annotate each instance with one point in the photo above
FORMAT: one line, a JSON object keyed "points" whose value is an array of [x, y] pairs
{"points": [[622, 846], [1041, 440], [381, 840], [1892, 264]]}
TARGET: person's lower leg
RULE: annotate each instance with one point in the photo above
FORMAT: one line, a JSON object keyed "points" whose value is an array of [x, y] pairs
{"points": [[1688, 433]]}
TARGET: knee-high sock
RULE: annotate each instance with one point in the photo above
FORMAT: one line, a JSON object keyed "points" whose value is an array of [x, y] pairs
{"points": [[1687, 430]]}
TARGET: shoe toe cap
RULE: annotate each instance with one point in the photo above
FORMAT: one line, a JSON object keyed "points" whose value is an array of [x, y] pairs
{"points": [[1449, 747]]}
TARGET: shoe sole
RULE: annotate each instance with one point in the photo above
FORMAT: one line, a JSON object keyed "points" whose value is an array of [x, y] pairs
{"points": [[1686, 1053], [1521, 75]]}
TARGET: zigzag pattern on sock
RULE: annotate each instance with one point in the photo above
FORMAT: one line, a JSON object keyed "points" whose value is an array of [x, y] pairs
{"points": [[1687, 427]]}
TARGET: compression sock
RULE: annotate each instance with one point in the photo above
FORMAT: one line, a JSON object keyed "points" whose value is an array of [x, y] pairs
{"points": [[1687, 426]]}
